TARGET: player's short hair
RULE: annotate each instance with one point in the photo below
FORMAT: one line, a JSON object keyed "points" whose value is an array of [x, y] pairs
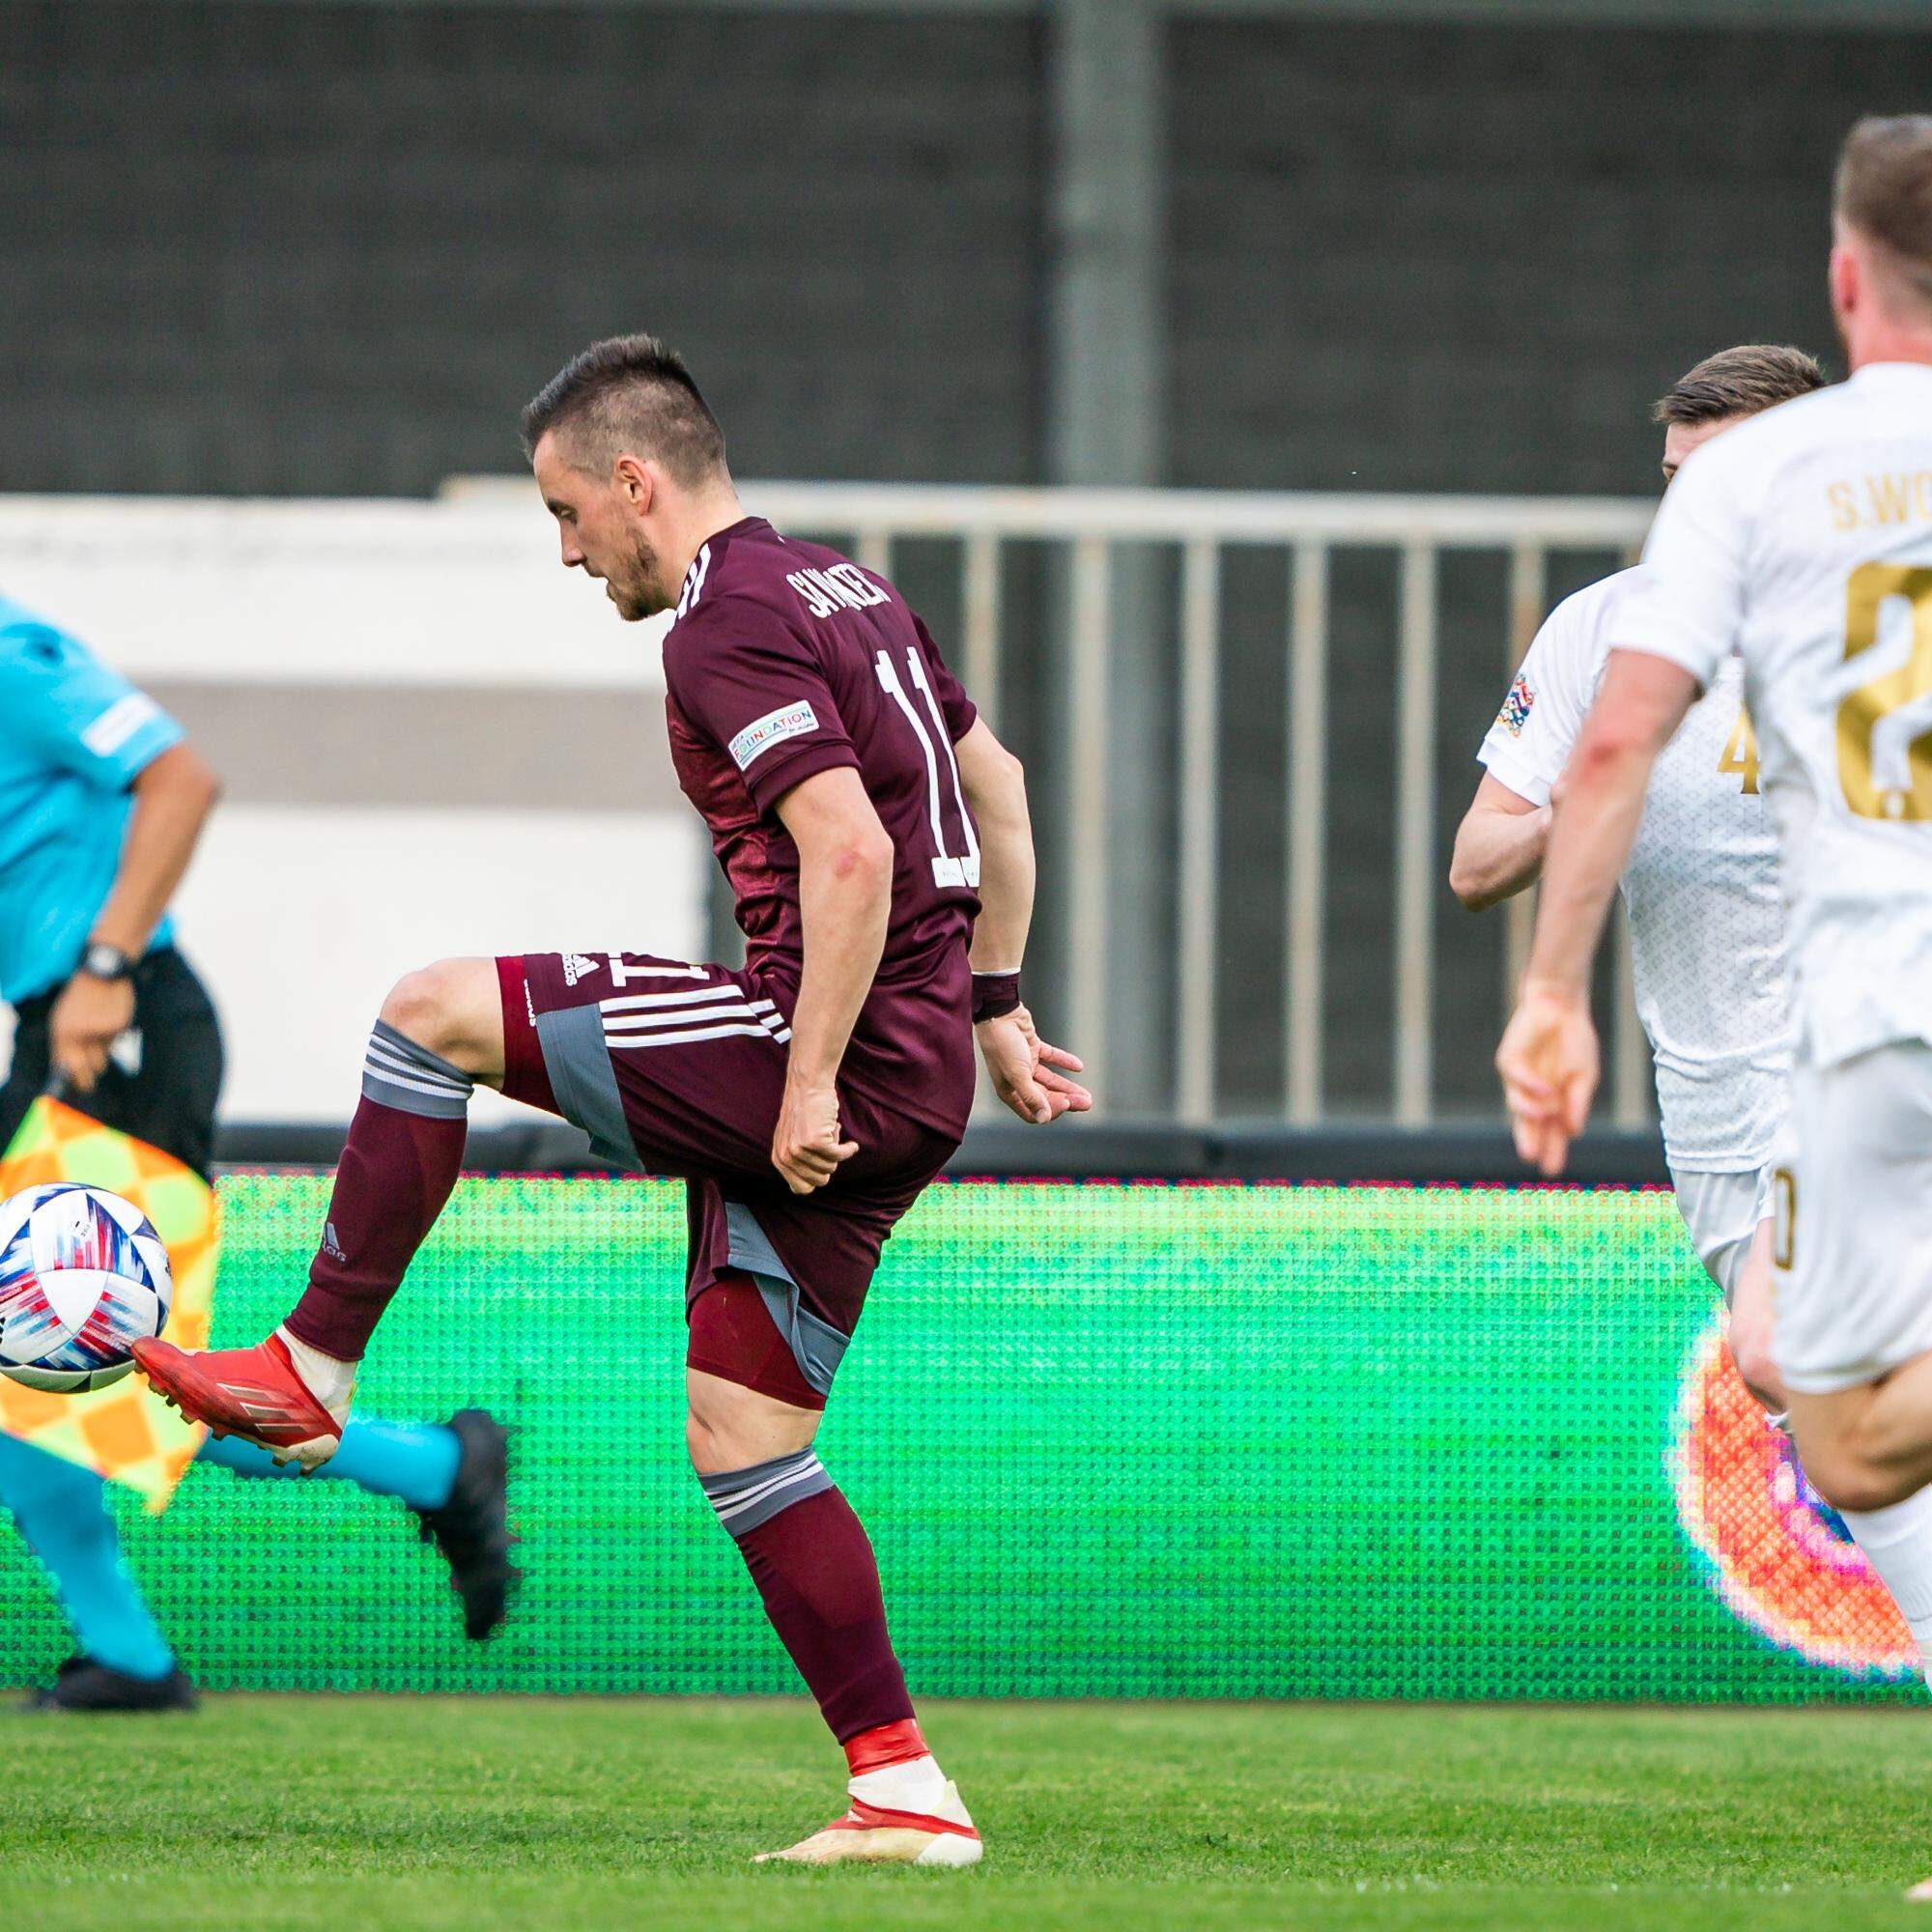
{"points": [[1885, 191], [628, 393], [1737, 381]]}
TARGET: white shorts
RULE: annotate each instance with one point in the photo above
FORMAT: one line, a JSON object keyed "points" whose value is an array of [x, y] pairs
{"points": [[1723, 1212], [1852, 1273]]}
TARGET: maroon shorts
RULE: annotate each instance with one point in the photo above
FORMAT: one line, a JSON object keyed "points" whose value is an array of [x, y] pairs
{"points": [[679, 1070]]}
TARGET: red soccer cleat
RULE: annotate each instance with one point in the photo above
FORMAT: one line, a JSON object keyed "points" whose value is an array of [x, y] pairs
{"points": [[253, 1393]]}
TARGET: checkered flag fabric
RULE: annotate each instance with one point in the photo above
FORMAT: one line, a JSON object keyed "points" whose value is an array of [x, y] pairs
{"points": [[126, 1432]]}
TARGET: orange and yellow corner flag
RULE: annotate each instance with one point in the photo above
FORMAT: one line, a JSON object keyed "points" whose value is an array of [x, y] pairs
{"points": [[124, 1433]]}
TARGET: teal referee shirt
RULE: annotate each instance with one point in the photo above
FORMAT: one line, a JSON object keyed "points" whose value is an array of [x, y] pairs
{"points": [[74, 737]]}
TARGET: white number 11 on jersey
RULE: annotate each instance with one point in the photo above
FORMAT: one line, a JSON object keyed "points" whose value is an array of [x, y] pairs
{"points": [[947, 869]]}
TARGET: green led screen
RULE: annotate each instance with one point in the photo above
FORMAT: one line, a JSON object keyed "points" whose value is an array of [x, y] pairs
{"points": [[1111, 1441]]}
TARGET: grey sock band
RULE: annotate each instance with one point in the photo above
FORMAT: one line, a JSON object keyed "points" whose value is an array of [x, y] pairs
{"points": [[744, 1498], [397, 1072]]}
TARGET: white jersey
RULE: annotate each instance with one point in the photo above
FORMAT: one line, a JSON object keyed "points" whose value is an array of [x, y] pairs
{"points": [[1706, 916], [1803, 539]]}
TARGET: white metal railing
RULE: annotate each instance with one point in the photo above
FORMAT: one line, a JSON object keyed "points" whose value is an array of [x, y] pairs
{"points": [[1202, 526]]}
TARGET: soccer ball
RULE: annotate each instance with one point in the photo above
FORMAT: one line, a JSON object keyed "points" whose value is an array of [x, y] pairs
{"points": [[83, 1276]]}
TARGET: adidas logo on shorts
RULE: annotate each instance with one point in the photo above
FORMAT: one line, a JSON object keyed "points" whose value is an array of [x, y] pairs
{"points": [[576, 967]]}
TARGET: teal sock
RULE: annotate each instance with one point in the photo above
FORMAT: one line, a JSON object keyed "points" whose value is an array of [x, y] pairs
{"points": [[62, 1510], [414, 1461]]}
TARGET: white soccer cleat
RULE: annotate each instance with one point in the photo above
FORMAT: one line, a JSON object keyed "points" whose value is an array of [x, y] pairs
{"points": [[869, 1834]]}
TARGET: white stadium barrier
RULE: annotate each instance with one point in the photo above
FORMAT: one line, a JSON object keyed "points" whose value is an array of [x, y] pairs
{"points": [[1203, 525], [434, 744]]}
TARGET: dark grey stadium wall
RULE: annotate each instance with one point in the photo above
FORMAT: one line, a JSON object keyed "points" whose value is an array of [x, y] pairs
{"points": [[316, 248], [331, 248], [1427, 257], [295, 247]]}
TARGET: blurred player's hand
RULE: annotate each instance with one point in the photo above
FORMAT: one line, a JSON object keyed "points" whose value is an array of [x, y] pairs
{"points": [[1029, 1075], [90, 1015], [806, 1148], [1548, 1060]]}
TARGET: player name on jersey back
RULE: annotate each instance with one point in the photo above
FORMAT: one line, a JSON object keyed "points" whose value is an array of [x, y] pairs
{"points": [[839, 586], [1803, 537], [1882, 500]]}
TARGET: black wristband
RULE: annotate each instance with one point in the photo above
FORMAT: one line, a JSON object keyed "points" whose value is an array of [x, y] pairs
{"points": [[101, 961], [995, 995]]}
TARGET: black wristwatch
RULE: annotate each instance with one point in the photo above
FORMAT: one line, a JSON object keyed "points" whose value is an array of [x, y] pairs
{"points": [[101, 961]]}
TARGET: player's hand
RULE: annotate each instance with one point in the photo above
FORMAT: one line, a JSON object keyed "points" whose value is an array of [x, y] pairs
{"points": [[806, 1148], [1548, 1060], [1029, 1075], [90, 1015]]}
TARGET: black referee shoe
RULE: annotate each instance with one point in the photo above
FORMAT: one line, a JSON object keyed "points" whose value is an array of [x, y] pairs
{"points": [[82, 1683], [472, 1528]]}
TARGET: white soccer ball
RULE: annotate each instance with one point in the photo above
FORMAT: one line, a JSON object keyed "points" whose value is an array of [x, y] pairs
{"points": [[83, 1276]]}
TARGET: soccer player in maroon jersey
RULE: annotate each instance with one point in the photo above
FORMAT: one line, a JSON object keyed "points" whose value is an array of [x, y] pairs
{"points": [[876, 838]]}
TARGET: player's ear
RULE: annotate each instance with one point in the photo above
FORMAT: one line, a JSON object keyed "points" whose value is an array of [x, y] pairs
{"points": [[1844, 277], [637, 483]]}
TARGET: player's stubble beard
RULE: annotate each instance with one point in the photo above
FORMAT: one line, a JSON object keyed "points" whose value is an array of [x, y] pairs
{"points": [[640, 592]]}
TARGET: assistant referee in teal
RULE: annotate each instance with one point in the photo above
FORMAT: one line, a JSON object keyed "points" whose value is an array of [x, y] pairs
{"points": [[101, 803]]}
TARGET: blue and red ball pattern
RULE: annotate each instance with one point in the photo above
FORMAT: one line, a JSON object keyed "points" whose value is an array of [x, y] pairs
{"points": [[83, 1276]]}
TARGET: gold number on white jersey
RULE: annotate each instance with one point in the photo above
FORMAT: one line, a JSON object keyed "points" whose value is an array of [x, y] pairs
{"points": [[1885, 728], [1739, 754]]}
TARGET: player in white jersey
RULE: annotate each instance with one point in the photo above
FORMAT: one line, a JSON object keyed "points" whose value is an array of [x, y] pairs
{"points": [[1707, 923], [1804, 540]]}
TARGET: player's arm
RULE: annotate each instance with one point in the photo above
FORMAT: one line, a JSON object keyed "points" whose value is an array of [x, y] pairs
{"points": [[174, 793], [1547, 1058], [173, 796], [1504, 836], [1027, 1073], [845, 897], [1499, 845]]}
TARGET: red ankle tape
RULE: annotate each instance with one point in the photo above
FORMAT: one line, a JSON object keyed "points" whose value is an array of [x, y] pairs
{"points": [[884, 1745]]}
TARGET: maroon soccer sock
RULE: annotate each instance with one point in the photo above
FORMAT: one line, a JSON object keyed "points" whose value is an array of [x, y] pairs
{"points": [[814, 1568], [405, 1148]]}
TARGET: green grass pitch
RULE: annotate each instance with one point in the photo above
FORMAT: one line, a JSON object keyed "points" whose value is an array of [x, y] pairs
{"points": [[363, 1814]]}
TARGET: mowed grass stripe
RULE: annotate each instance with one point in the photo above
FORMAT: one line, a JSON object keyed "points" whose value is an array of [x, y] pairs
{"points": [[286, 1812]]}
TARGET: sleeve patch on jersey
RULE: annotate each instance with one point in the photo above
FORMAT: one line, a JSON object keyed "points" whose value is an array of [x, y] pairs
{"points": [[118, 723], [1515, 714], [775, 726]]}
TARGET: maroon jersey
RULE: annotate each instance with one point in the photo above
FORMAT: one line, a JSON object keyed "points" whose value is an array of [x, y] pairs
{"points": [[786, 659]]}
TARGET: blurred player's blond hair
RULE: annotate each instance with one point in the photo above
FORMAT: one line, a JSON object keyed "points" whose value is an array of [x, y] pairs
{"points": [[1884, 191]]}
